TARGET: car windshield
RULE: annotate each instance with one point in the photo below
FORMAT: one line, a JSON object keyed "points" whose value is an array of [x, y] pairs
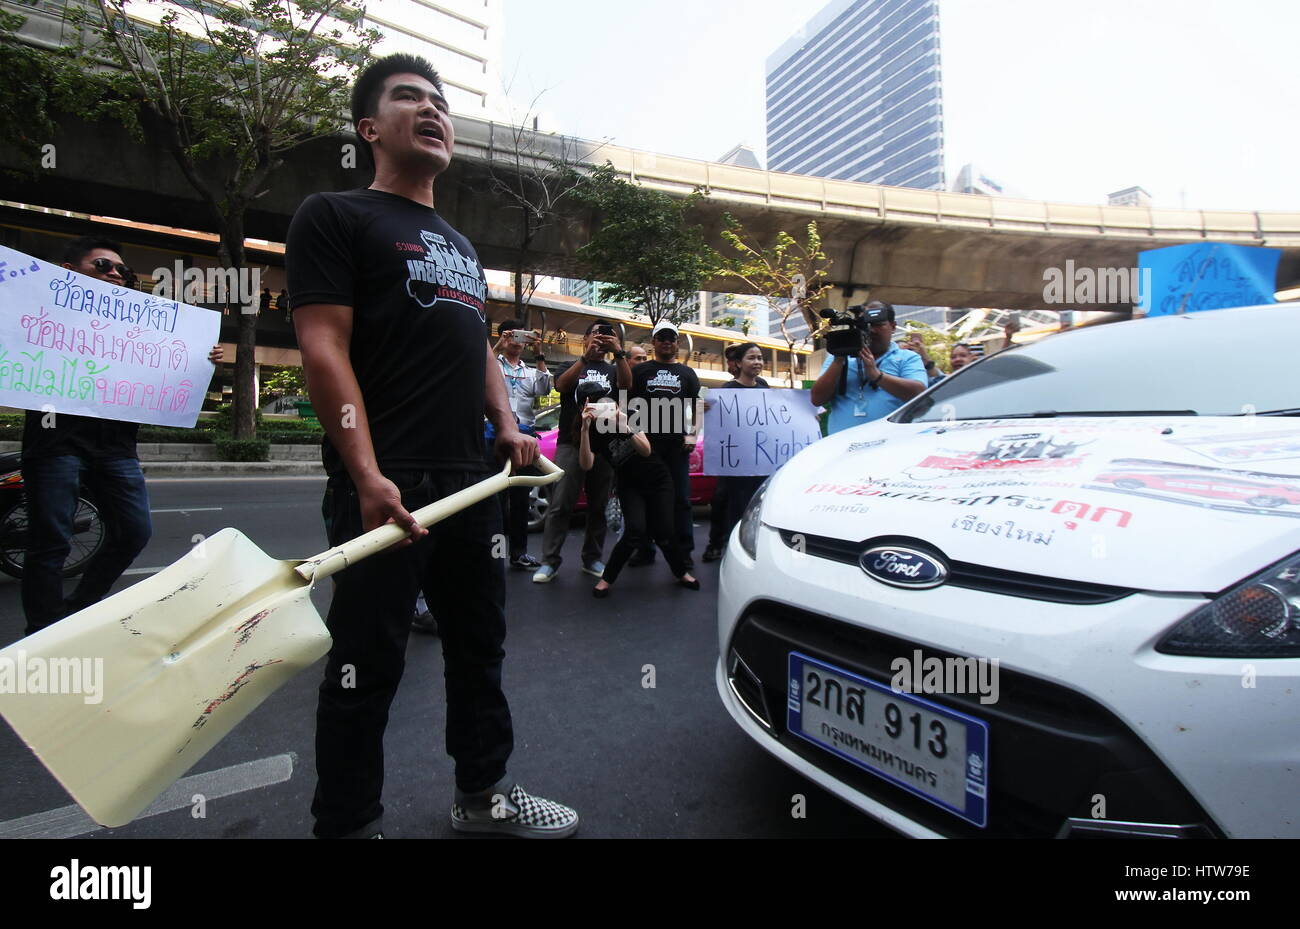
{"points": [[1215, 363]]}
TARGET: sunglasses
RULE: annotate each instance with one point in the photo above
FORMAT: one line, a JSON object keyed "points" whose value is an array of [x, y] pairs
{"points": [[103, 265], [665, 337]]}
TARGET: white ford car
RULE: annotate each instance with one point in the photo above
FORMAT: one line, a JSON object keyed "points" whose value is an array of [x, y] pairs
{"points": [[1057, 594]]}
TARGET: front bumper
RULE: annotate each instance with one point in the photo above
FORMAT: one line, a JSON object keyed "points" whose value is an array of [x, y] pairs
{"points": [[1091, 723]]}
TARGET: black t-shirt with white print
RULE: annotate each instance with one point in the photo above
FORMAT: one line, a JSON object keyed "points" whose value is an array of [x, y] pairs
{"points": [[759, 384], [597, 372], [419, 326], [675, 387]]}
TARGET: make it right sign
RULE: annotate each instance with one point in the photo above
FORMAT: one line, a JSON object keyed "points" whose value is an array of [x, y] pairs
{"points": [[751, 432]]}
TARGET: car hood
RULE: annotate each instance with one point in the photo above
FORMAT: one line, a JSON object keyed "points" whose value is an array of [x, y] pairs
{"points": [[1151, 503]]}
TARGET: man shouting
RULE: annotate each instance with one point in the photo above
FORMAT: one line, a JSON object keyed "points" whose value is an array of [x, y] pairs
{"points": [[388, 304]]}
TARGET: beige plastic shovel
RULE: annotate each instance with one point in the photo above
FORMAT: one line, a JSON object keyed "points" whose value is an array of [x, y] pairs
{"points": [[121, 699]]}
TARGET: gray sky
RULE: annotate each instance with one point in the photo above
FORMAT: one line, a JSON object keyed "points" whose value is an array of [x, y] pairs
{"points": [[1055, 99]]}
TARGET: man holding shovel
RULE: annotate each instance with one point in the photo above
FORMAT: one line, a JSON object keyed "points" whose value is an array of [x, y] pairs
{"points": [[389, 309]]}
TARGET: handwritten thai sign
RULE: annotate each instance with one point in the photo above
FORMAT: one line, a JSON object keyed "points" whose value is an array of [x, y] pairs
{"points": [[1208, 276], [753, 432], [74, 344]]}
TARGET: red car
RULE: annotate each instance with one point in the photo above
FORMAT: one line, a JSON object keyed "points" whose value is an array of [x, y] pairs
{"points": [[1218, 487], [701, 485]]}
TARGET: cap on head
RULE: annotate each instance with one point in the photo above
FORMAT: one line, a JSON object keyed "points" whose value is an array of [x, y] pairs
{"points": [[664, 326], [879, 312]]}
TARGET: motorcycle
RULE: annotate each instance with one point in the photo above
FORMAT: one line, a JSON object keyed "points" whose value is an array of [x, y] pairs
{"points": [[87, 525]]}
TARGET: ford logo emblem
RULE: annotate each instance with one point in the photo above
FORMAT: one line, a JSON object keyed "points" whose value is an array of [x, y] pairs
{"points": [[903, 567]]}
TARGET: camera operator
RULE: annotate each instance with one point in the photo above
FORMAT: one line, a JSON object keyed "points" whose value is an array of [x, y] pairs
{"points": [[591, 368], [880, 378], [523, 385]]}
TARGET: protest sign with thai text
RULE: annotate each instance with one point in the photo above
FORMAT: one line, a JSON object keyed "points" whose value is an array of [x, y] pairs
{"points": [[70, 343]]}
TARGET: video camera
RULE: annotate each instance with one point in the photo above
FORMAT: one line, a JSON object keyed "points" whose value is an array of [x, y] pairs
{"points": [[846, 334]]}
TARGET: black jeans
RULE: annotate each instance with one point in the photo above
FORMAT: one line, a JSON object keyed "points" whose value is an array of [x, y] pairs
{"points": [[738, 492], [678, 460], [718, 525], [370, 618], [646, 496], [514, 505], [52, 486]]}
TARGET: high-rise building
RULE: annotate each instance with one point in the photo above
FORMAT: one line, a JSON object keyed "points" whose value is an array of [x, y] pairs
{"points": [[583, 290], [461, 38], [856, 95], [744, 313], [971, 179], [1129, 196]]}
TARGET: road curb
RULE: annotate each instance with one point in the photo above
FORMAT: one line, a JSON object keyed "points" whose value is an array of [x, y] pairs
{"points": [[231, 468]]}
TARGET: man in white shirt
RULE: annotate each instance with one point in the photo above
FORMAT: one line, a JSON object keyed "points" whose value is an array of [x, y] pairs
{"points": [[523, 386]]}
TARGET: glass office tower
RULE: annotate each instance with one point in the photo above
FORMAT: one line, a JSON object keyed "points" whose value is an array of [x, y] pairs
{"points": [[856, 95]]}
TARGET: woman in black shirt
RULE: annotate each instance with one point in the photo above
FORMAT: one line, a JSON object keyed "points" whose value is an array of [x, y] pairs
{"points": [[645, 488], [739, 489]]}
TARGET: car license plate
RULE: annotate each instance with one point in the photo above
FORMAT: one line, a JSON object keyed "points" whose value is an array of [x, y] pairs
{"points": [[929, 750]]}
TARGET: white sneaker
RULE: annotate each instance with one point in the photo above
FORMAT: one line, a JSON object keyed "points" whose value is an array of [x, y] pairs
{"points": [[545, 574]]}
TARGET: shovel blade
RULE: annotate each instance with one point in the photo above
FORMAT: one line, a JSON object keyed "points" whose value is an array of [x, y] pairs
{"points": [[121, 699]]}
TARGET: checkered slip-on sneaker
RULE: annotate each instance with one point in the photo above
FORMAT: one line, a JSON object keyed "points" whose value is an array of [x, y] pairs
{"points": [[518, 814]]}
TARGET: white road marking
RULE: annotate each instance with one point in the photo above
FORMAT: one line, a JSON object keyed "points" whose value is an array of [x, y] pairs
{"points": [[68, 821], [191, 509]]}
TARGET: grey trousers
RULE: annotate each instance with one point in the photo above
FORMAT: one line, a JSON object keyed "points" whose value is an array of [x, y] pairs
{"points": [[563, 497]]}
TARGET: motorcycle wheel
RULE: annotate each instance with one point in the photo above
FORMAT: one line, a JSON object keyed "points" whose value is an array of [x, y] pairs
{"points": [[86, 541]]}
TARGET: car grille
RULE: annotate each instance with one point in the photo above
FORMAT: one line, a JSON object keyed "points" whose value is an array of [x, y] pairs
{"points": [[1052, 751], [963, 573]]}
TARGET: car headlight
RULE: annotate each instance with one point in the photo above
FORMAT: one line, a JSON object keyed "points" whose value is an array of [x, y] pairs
{"points": [[752, 520], [1259, 618]]}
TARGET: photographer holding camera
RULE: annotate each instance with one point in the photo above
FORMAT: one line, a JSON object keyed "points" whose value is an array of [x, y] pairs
{"points": [[865, 376]]}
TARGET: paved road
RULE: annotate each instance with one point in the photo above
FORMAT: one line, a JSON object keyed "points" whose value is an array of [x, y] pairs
{"points": [[665, 762]]}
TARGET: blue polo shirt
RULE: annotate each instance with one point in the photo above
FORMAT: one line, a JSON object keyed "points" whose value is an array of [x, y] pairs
{"points": [[860, 404]]}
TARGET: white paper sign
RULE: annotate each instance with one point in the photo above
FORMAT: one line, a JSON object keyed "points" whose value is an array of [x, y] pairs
{"points": [[74, 344], [754, 431]]}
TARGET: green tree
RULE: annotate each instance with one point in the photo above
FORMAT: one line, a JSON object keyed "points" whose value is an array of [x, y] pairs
{"points": [[534, 174], [35, 84], [644, 245], [235, 86], [789, 273], [289, 381]]}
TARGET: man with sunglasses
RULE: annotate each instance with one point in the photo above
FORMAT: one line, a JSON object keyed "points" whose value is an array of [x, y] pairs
{"points": [[672, 392], [60, 453], [881, 378]]}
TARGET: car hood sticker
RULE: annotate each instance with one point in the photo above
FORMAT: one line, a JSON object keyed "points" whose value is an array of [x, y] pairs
{"points": [[1168, 504]]}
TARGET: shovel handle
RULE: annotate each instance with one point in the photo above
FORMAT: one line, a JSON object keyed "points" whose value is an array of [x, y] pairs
{"points": [[376, 540]]}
